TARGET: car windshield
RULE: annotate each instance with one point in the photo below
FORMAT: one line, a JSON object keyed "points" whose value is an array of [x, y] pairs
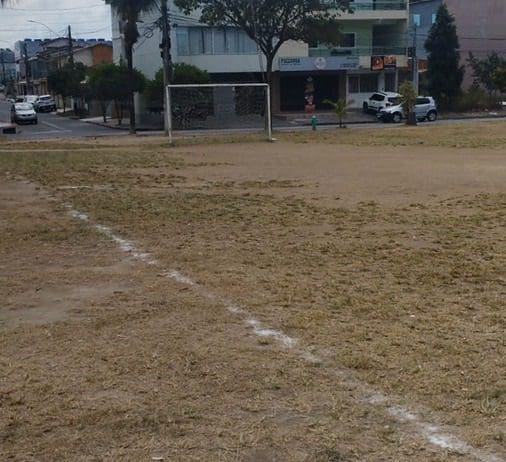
{"points": [[394, 100], [23, 107], [44, 98]]}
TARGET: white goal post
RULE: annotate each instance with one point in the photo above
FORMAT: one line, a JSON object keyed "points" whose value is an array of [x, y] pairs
{"points": [[218, 108]]}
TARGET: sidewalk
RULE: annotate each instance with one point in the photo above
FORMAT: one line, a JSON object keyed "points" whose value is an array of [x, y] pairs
{"points": [[300, 119]]}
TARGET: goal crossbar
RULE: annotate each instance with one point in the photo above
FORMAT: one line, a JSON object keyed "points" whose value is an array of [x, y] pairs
{"points": [[168, 102]]}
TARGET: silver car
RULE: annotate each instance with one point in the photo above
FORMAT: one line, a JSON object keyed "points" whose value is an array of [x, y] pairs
{"points": [[23, 113], [425, 109]]}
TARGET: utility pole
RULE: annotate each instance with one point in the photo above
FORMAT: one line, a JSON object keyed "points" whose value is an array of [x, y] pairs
{"points": [[415, 60], [71, 47], [167, 62]]}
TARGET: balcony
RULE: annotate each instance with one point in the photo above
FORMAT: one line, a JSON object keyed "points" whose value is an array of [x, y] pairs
{"points": [[379, 5], [359, 51], [376, 9]]}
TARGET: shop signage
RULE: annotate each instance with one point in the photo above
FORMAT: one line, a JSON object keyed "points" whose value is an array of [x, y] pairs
{"points": [[320, 63], [378, 63]]}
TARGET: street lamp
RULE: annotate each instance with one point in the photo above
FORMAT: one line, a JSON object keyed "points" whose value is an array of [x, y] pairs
{"points": [[47, 27]]}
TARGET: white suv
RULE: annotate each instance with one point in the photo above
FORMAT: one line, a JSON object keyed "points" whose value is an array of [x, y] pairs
{"points": [[425, 109], [380, 100]]}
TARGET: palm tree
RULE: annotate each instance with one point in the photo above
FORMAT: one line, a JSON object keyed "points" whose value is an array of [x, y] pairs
{"points": [[129, 11], [340, 107]]}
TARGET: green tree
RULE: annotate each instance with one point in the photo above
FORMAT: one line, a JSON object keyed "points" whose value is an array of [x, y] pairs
{"points": [[103, 81], [127, 82], [499, 78], [444, 73], [182, 73], [271, 23], [484, 69], [340, 107], [408, 101], [129, 11], [66, 81]]}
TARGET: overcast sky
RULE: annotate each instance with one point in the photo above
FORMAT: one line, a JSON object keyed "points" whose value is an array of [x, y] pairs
{"points": [[88, 18]]}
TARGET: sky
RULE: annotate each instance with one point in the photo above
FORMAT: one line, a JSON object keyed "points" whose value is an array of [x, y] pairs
{"points": [[88, 18]]}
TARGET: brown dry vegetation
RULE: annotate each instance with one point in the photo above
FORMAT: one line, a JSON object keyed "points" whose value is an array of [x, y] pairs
{"points": [[384, 252]]}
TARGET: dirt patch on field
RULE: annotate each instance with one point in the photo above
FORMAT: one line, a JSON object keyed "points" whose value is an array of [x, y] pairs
{"points": [[387, 264]]}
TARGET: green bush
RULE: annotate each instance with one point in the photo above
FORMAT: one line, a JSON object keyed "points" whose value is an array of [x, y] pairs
{"points": [[475, 99]]}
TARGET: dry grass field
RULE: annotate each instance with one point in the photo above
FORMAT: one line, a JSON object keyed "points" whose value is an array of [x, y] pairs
{"points": [[333, 296]]}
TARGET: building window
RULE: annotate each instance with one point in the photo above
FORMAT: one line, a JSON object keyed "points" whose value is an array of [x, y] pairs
{"points": [[363, 83], [368, 83], [354, 84], [434, 16], [347, 40], [390, 82], [183, 47], [417, 20], [213, 41]]}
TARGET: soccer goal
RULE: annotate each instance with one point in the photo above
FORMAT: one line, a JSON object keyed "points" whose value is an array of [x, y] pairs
{"points": [[218, 108]]}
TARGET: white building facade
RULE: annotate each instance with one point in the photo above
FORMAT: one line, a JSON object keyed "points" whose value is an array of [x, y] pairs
{"points": [[372, 52]]}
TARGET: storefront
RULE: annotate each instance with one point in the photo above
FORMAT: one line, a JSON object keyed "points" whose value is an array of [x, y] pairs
{"points": [[303, 83]]}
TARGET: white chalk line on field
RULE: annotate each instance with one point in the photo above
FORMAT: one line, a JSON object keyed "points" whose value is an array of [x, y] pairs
{"points": [[433, 433]]}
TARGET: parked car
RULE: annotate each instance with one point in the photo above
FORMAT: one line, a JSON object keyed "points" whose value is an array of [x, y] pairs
{"points": [[380, 100], [23, 113], [30, 99], [45, 103], [425, 109]]}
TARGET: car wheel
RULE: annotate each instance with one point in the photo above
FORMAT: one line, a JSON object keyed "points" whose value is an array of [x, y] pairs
{"points": [[397, 117], [432, 116], [365, 108]]}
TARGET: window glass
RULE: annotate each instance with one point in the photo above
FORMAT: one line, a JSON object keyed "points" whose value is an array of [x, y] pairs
{"points": [[347, 40], [354, 84], [368, 83], [390, 82], [207, 40], [377, 97], [195, 41], [422, 101], [434, 18], [182, 41], [417, 20], [219, 41]]}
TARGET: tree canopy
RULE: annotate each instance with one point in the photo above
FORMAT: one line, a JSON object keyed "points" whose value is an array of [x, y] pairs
{"points": [[67, 80], [110, 82], [484, 69], [445, 74], [129, 11], [499, 78], [182, 74], [270, 23]]}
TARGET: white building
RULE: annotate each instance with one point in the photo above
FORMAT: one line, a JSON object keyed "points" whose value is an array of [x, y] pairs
{"points": [[372, 52]]}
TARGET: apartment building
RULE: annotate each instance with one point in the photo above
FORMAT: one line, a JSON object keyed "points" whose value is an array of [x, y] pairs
{"points": [[480, 26], [7, 65], [373, 50], [36, 58]]}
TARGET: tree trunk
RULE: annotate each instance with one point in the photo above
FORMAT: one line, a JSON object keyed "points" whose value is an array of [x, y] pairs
{"points": [[103, 105], [131, 106], [268, 78]]}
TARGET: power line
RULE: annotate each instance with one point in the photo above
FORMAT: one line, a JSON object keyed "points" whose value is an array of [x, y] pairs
{"points": [[56, 10]]}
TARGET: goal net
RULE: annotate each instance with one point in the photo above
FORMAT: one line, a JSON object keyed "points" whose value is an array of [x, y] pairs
{"points": [[223, 108]]}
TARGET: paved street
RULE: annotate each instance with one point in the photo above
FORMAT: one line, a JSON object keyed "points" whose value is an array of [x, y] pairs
{"points": [[54, 126]]}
